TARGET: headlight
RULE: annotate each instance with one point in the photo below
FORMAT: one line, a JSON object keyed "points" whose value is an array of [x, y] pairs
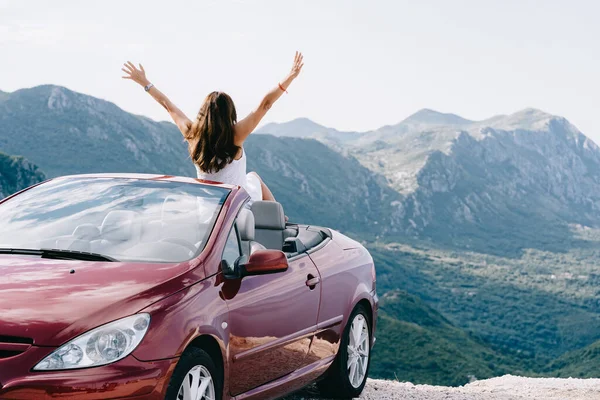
{"points": [[100, 346]]}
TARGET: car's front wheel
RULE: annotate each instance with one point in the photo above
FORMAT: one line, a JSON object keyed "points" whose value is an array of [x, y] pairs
{"points": [[348, 374], [195, 378]]}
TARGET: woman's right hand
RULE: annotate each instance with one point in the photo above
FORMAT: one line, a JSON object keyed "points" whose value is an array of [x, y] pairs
{"points": [[298, 64], [136, 75]]}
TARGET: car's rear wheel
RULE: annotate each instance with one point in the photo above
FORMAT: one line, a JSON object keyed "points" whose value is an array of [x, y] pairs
{"points": [[347, 376], [195, 378]]}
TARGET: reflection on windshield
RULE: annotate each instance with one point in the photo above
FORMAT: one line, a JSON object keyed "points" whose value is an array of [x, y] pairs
{"points": [[126, 219]]}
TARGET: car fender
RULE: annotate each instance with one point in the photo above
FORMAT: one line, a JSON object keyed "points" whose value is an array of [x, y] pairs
{"points": [[365, 292], [179, 319]]}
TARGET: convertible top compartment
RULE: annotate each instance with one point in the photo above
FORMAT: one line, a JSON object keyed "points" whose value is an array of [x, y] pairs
{"points": [[312, 236], [308, 237]]}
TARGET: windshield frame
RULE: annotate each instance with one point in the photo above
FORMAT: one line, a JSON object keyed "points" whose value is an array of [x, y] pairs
{"points": [[226, 197]]}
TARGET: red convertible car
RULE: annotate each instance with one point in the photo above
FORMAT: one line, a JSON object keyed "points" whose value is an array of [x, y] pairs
{"points": [[160, 287]]}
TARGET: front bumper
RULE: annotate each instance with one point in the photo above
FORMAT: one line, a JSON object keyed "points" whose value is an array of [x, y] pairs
{"points": [[127, 378]]}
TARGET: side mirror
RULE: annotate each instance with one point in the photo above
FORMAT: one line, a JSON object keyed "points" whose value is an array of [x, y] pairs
{"points": [[262, 262]]}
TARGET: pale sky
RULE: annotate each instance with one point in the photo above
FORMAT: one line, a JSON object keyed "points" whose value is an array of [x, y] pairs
{"points": [[368, 63]]}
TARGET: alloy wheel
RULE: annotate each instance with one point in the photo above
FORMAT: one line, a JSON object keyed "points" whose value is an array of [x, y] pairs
{"points": [[198, 384], [358, 351]]}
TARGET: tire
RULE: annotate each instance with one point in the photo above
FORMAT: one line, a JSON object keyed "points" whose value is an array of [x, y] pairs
{"points": [[341, 380], [195, 365]]}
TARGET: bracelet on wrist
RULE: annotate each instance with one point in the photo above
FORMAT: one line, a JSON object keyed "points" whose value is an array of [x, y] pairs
{"points": [[148, 87], [282, 88]]}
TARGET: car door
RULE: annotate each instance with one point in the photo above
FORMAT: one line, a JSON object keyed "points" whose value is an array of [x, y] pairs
{"points": [[338, 286], [272, 319]]}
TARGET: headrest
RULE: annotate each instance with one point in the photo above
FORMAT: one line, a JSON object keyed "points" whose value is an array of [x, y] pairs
{"points": [[268, 215], [175, 208], [245, 224], [86, 231], [118, 225]]}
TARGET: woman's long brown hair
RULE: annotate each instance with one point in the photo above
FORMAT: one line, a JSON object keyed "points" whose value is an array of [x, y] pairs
{"points": [[211, 136]]}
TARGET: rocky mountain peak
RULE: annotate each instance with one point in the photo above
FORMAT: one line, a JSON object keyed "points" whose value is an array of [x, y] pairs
{"points": [[58, 99], [431, 117], [71, 125], [299, 127], [529, 119]]}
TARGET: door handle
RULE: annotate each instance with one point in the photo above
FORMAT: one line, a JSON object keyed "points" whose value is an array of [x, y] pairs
{"points": [[312, 281]]}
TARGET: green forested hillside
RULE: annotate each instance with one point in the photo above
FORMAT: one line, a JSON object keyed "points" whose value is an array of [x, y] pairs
{"points": [[531, 310], [17, 173], [417, 344], [582, 363]]}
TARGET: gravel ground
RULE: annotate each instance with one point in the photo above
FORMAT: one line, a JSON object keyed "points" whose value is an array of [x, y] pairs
{"points": [[507, 387]]}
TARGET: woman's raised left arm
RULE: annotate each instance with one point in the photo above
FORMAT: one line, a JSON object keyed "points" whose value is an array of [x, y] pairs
{"points": [[245, 127]]}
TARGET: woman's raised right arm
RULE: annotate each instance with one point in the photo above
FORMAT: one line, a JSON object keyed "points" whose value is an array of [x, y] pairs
{"points": [[139, 77]]}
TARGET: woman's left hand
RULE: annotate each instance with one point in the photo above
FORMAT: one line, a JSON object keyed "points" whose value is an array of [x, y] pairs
{"points": [[136, 75], [298, 64]]}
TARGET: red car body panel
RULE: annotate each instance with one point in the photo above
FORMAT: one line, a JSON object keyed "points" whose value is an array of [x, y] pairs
{"points": [[275, 334]]}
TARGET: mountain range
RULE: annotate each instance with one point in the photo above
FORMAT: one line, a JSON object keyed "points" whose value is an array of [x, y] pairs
{"points": [[499, 185], [64, 132], [484, 233]]}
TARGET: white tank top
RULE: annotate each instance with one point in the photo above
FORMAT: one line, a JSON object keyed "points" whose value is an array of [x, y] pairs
{"points": [[234, 173]]}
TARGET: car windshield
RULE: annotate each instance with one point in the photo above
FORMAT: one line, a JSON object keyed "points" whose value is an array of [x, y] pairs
{"points": [[124, 219]]}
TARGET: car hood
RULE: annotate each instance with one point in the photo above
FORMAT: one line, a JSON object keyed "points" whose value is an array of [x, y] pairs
{"points": [[52, 301]]}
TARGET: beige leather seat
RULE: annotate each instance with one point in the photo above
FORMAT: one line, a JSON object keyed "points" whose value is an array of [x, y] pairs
{"points": [[270, 224], [246, 228]]}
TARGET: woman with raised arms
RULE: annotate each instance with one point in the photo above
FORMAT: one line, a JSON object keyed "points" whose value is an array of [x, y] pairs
{"points": [[215, 137]]}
